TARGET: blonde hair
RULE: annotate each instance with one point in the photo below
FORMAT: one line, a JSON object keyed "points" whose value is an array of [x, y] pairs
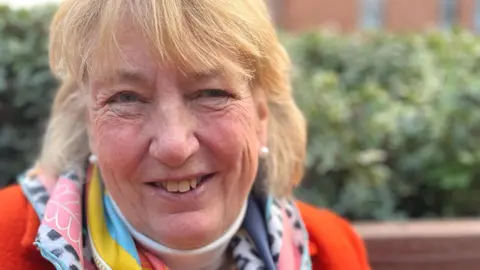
{"points": [[233, 34]]}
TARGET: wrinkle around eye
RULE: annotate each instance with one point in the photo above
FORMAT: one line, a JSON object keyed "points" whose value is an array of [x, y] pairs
{"points": [[232, 110], [129, 110], [214, 104]]}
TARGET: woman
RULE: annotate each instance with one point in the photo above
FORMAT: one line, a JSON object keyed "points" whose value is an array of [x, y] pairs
{"points": [[173, 143]]}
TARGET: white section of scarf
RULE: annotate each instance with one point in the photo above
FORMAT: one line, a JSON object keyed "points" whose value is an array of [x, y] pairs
{"points": [[211, 256]]}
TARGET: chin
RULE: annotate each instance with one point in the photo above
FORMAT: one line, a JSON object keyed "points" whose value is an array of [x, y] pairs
{"points": [[188, 230]]}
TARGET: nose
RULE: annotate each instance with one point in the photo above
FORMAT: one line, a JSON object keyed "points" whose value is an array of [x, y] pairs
{"points": [[173, 141]]}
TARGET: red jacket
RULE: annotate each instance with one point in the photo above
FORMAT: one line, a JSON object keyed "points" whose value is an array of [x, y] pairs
{"points": [[333, 243]]}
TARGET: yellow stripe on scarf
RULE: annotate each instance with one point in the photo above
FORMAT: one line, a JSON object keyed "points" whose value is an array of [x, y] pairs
{"points": [[105, 246]]}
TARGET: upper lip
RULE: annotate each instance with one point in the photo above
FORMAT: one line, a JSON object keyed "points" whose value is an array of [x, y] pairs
{"points": [[179, 178]]}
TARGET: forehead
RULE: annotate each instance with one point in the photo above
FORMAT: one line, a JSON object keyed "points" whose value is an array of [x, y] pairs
{"points": [[148, 77], [134, 58]]}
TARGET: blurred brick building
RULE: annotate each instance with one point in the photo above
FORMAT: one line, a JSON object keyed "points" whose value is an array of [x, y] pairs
{"points": [[396, 15]]}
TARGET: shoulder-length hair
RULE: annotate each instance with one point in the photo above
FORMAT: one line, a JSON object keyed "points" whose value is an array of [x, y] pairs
{"points": [[236, 35]]}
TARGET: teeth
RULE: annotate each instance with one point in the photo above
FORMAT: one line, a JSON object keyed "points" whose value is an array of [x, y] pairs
{"points": [[179, 186], [193, 183], [172, 186], [184, 186]]}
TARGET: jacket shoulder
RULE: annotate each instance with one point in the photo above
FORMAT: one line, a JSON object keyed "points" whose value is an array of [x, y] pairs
{"points": [[18, 226], [13, 206], [334, 244]]}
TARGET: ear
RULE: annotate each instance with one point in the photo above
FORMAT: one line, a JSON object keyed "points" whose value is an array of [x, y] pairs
{"points": [[261, 107]]}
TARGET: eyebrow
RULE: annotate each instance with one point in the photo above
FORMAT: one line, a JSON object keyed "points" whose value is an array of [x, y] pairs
{"points": [[136, 77], [204, 75], [124, 75], [121, 76]]}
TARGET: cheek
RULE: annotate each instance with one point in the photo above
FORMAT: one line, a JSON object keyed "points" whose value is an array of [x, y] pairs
{"points": [[118, 143], [232, 138]]}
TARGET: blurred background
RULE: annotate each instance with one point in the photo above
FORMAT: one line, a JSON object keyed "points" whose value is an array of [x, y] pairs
{"points": [[391, 91]]}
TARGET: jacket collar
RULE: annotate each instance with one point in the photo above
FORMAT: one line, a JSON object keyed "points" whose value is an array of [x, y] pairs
{"points": [[31, 228]]}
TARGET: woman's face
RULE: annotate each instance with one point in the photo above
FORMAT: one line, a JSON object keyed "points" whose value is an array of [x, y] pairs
{"points": [[178, 153]]}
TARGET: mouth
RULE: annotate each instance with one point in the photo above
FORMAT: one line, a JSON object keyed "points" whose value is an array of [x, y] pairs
{"points": [[182, 186]]}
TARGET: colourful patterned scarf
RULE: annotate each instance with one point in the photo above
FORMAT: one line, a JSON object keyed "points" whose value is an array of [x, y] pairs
{"points": [[80, 230]]}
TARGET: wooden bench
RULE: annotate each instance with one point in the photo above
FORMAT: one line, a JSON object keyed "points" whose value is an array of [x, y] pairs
{"points": [[423, 245]]}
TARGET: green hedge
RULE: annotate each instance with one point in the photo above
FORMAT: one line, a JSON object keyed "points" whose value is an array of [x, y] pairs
{"points": [[394, 123], [26, 87], [393, 119]]}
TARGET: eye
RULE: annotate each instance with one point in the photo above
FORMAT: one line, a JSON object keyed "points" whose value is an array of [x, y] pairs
{"points": [[214, 93], [125, 97]]}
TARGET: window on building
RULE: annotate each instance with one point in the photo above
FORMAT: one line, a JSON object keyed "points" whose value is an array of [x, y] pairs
{"points": [[448, 16], [371, 16]]}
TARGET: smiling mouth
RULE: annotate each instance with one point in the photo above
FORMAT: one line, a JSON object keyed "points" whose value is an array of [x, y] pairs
{"points": [[182, 186]]}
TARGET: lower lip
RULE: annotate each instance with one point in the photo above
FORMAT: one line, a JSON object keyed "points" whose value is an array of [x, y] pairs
{"points": [[191, 195]]}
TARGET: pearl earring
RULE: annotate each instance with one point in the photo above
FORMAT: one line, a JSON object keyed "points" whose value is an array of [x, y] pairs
{"points": [[264, 151], [93, 159]]}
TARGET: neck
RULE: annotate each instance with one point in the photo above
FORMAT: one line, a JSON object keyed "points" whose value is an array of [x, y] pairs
{"points": [[211, 256]]}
